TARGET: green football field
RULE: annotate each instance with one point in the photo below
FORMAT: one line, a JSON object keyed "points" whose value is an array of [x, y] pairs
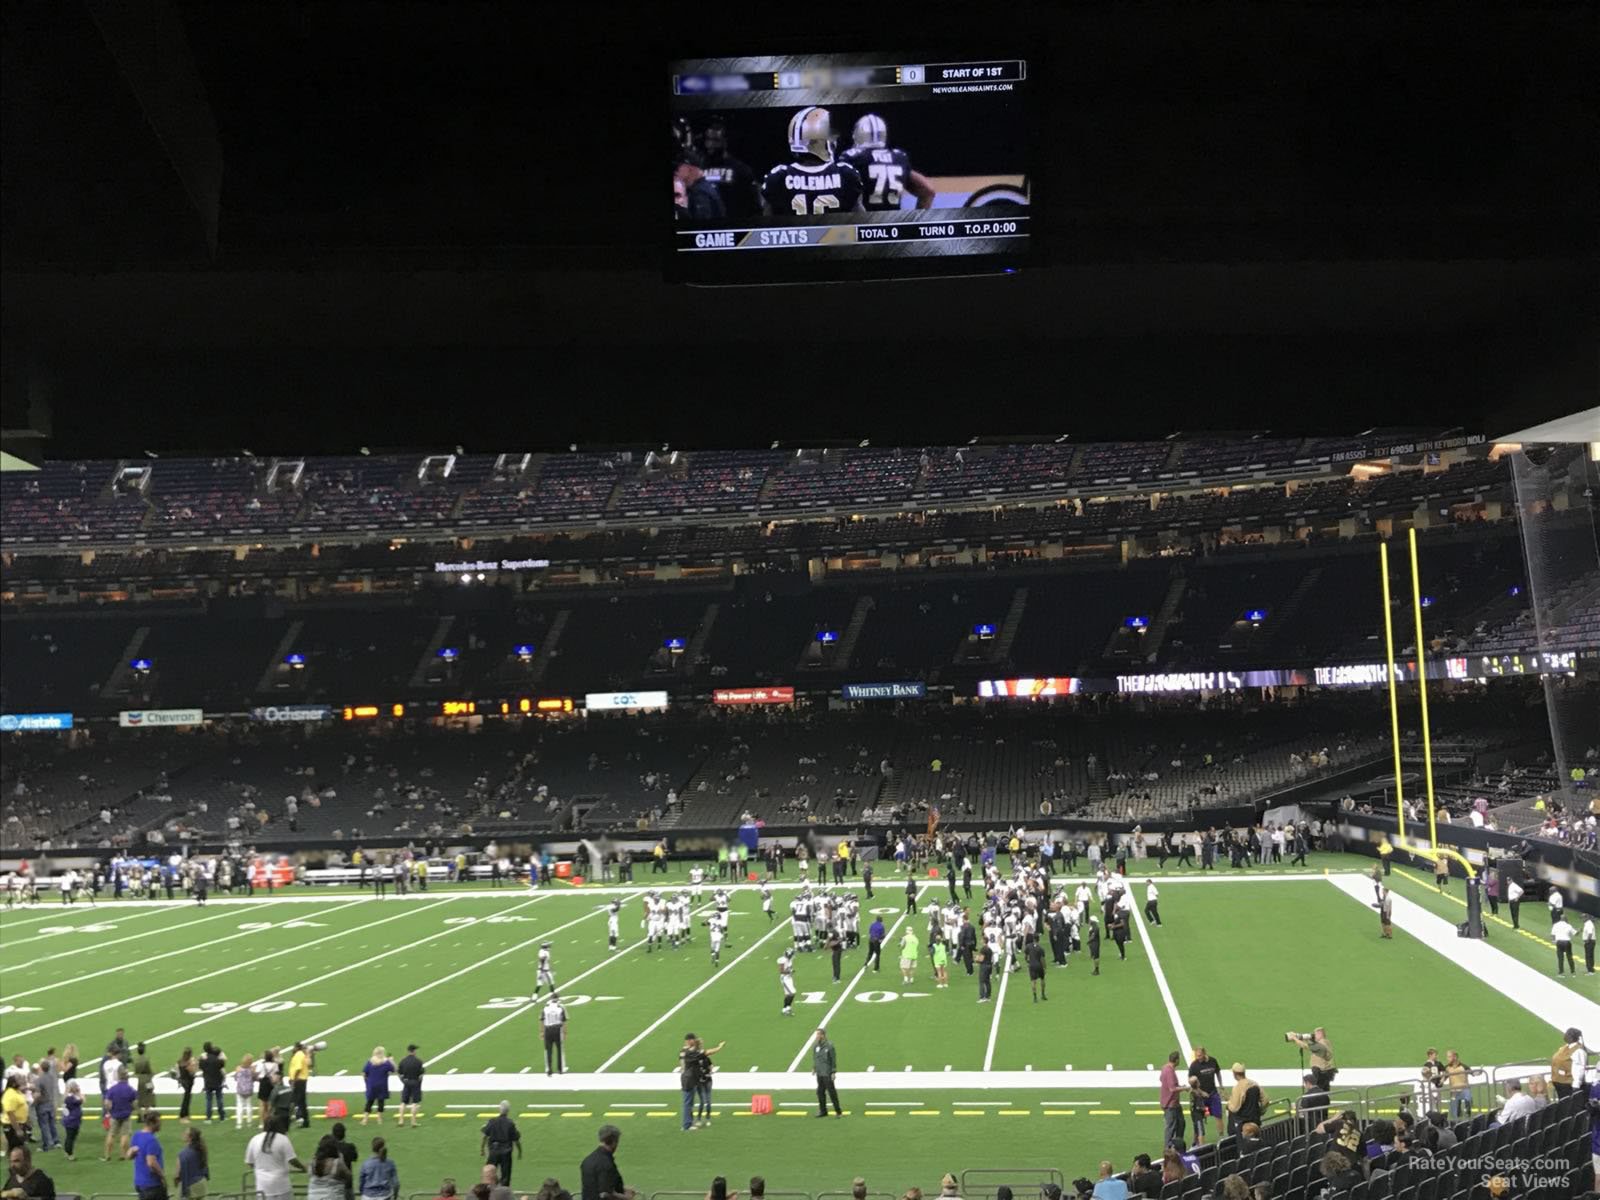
{"points": [[931, 1080]]}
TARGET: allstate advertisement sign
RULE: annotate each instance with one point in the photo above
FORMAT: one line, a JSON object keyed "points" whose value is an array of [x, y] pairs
{"points": [[884, 691], [144, 718], [34, 722]]}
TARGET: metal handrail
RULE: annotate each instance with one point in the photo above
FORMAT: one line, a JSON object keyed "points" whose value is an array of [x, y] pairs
{"points": [[1027, 1178], [248, 1189]]}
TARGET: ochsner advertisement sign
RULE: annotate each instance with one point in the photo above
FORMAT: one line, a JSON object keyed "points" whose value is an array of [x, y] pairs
{"points": [[280, 713], [143, 718], [602, 701]]}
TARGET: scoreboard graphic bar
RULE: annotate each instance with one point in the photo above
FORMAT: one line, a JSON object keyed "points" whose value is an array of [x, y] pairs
{"points": [[779, 237], [837, 76]]}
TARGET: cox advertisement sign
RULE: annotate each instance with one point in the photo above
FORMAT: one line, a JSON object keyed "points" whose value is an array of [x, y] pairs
{"points": [[604, 701], [280, 713], [884, 691], [34, 722], [145, 718], [755, 695]]}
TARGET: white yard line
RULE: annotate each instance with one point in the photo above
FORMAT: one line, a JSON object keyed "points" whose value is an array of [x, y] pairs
{"points": [[435, 1059], [1184, 1046], [1542, 995], [994, 1023], [141, 959], [888, 940], [69, 910], [231, 968], [471, 923], [657, 1023]]}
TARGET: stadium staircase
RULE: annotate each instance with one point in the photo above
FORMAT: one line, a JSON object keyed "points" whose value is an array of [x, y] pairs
{"points": [[846, 648], [1000, 648], [1157, 633], [441, 630], [1280, 620], [695, 651], [552, 639], [116, 682], [285, 645], [1098, 790]]}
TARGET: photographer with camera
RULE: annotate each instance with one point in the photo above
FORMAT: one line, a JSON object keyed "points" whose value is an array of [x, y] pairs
{"points": [[1316, 1045]]}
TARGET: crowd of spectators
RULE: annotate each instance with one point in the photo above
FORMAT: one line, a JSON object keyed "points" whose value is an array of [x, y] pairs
{"points": [[174, 499]]}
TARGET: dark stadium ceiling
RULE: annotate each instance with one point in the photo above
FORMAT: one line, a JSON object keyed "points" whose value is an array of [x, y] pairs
{"points": [[304, 225]]}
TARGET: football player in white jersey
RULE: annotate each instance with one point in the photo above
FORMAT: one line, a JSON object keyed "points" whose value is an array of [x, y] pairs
{"points": [[718, 924], [786, 978], [612, 912], [547, 978]]}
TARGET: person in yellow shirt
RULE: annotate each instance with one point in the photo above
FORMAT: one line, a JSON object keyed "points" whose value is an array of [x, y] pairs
{"points": [[299, 1077], [14, 1110]]}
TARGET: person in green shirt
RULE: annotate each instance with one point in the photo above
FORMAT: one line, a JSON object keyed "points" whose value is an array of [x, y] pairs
{"points": [[722, 862], [910, 951], [941, 963], [145, 1074]]}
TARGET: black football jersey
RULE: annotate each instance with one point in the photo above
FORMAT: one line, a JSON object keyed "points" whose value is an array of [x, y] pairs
{"points": [[883, 176], [811, 189], [736, 183]]}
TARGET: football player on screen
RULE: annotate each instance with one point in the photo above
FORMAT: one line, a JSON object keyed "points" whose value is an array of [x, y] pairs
{"points": [[734, 180], [886, 172], [814, 183]]}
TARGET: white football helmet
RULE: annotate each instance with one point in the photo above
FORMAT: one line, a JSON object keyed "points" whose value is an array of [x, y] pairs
{"points": [[811, 132], [871, 132]]}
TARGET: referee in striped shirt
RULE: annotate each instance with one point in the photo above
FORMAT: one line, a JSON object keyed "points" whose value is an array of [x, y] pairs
{"points": [[554, 1021]]}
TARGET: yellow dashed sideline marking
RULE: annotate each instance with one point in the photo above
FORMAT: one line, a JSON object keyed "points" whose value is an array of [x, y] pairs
{"points": [[1058, 1112], [1105, 1112], [619, 1114], [966, 1112], [1015, 1112], [449, 1116], [924, 1112], [1501, 921], [782, 1114], [668, 1115], [586, 1114], [890, 1113]]}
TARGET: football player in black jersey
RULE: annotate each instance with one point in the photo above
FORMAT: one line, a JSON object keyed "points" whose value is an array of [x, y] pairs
{"points": [[814, 183], [734, 179], [886, 172]]}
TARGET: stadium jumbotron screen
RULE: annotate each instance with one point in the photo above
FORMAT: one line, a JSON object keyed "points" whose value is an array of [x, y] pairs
{"points": [[796, 166]]}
